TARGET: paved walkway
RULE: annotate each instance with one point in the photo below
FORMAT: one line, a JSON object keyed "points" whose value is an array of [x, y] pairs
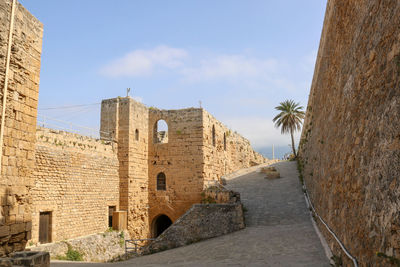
{"points": [[279, 231]]}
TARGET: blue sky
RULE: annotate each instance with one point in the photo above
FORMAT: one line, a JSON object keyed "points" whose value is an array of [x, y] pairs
{"points": [[239, 58]]}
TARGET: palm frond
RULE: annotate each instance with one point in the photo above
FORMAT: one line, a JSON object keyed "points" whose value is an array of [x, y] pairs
{"points": [[290, 117]]}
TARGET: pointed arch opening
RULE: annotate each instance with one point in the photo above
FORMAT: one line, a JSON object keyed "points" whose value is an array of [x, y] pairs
{"points": [[161, 181], [160, 224], [160, 132]]}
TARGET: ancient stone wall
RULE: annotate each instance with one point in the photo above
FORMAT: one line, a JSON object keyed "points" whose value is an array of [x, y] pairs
{"points": [[350, 145], [20, 123], [183, 154], [76, 180], [100, 247], [224, 151], [180, 159], [126, 121]]}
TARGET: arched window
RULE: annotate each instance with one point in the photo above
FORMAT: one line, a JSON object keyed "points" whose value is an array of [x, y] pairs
{"points": [[137, 135], [160, 132], [161, 181], [213, 135], [224, 141]]}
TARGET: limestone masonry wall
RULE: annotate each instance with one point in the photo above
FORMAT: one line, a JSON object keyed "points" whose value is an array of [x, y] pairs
{"points": [[224, 151], [20, 123], [126, 121], [76, 179], [350, 145], [180, 160]]}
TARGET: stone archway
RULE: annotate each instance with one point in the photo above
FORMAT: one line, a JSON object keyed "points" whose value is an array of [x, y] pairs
{"points": [[160, 224]]}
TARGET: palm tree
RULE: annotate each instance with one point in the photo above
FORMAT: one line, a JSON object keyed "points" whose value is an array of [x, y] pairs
{"points": [[289, 119]]}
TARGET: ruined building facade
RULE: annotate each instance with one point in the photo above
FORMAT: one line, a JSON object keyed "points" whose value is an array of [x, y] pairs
{"points": [[350, 145], [155, 175]]}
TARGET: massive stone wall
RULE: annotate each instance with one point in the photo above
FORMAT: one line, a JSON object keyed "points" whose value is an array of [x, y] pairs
{"points": [[76, 179], [350, 145], [224, 151], [20, 124], [180, 159], [126, 122]]}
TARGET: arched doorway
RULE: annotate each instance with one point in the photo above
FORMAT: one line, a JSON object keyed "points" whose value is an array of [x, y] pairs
{"points": [[160, 224]]}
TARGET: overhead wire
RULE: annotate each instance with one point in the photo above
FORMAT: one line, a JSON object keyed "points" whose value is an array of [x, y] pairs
{"points": [[62, 115], [68, 107]]}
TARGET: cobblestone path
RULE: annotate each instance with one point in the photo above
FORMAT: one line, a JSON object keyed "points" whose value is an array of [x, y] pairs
{"points": [[278, 230]]}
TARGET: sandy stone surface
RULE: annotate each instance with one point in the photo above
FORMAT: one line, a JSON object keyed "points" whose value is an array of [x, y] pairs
{"points": [[350, 145], [279, 231]]}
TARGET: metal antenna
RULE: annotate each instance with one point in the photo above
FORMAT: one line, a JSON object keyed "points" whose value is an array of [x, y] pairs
{"points": [[127, 91]]}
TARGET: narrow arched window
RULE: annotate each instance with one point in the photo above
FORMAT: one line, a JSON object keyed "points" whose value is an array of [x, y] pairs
{"points": [[160, 132], [224, 141], [161, 181], [213, 135], [137, 135]]}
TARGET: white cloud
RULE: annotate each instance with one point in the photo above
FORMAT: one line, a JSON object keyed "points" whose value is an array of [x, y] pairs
{"points": [[145, 62], [260, 131], [230, 68]]}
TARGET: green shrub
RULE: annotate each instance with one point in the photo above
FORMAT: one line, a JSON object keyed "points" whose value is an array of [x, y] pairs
{"points": [[71, 255], [337, 260], [391, 259]]}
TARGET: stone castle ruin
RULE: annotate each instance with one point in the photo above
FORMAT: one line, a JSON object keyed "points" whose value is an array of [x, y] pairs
{"points": [[79, 180], [57, 185]]}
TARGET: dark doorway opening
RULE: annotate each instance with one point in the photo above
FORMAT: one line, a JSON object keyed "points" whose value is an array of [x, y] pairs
{"points": [[111, 209], [45, 227], [161, 223]]}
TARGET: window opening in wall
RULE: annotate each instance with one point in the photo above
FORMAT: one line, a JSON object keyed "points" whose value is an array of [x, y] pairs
{"points": [[111, 210], [213, 135], [45, 222], [160, 224], [137, 135], [161, 181], [161, 132], [224, 141]]}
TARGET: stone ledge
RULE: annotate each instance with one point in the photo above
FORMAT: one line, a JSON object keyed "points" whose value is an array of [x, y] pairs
{"points": [[27, 258]]}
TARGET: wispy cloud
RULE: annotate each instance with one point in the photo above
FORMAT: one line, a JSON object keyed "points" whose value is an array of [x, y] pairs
{"points": [[145, 62], [229, 68], [260, 131]]}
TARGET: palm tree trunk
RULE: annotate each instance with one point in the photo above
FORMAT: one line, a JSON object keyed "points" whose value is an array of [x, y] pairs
{"points": [[294, 149]]}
